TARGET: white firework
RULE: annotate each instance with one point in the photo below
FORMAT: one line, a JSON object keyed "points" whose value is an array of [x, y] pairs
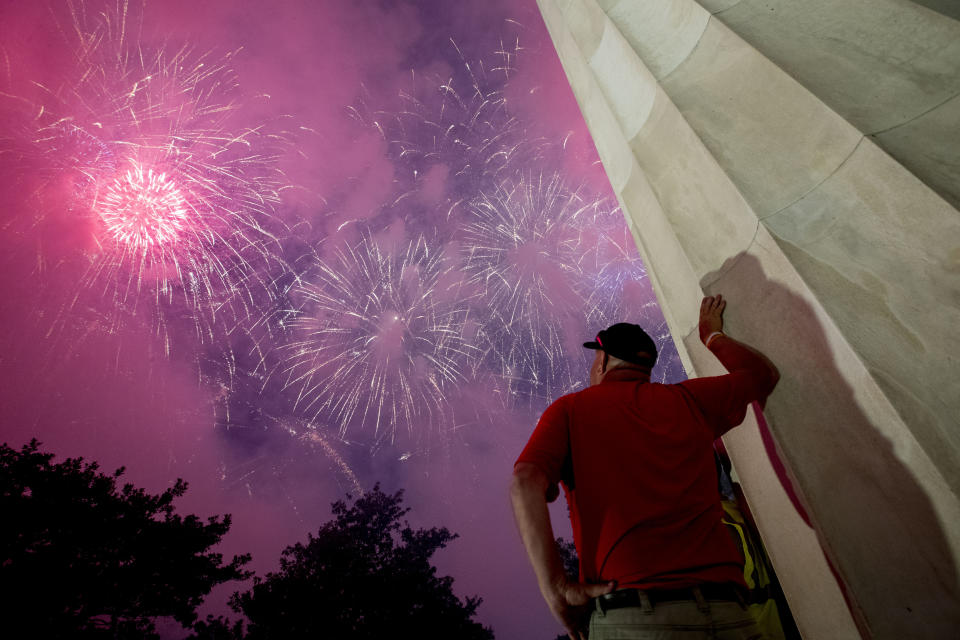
{"points": [[378, 339]]}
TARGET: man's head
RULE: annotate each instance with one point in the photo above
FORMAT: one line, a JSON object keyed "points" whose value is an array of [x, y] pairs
{"points": [[623, 342]]}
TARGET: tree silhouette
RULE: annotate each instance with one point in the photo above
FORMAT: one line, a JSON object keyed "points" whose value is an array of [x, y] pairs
{"points": [[569, 558], [364, 575], [81, 559]]}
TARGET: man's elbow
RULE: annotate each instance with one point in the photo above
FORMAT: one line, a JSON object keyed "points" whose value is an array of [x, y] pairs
{"points": [[528, 478], [774, 375], [527, 475], [762, 382]]}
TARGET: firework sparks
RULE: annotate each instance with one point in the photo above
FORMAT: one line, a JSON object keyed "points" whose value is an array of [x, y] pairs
{"points": [[460, 123], [523, 250], [380, 337], [177, 200], [610, 263], [615, 287]]}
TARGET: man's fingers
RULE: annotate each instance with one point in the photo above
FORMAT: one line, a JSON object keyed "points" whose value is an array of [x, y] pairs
{"points": [[594, 590], [712, 303], [574, 633]]}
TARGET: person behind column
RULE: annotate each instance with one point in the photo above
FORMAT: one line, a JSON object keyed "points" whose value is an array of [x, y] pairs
{"points": [[636, 462]]}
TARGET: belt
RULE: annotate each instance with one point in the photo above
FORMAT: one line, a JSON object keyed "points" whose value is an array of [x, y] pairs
{"points": [[708, 591]]}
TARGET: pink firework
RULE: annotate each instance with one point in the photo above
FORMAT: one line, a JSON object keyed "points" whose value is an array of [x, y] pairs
{"points": [[144, 210], [146, 148]]}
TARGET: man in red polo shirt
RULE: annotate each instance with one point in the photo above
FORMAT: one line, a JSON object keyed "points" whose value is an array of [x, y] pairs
{"points": [[636, 462]]}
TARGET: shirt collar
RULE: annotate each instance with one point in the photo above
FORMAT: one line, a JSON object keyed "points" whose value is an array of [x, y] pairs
{"points": [[624, 374]]}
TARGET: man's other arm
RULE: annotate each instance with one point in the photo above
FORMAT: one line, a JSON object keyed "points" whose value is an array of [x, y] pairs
{"points": [[529, 492]]}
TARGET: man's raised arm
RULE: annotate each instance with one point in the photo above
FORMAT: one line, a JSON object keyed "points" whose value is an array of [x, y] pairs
{"points": [[724, 399], [733, 354]]}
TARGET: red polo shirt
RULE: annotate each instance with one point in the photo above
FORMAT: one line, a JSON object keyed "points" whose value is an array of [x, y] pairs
{"points": [[636, 462]]}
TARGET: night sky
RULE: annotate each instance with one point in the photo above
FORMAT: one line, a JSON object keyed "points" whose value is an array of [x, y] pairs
{"points": [[285, 250]]}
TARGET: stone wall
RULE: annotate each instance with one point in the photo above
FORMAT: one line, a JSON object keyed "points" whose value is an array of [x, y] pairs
{"points": [[802, 158]]}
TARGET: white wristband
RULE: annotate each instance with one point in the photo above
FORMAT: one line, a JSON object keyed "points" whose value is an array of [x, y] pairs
{"points": [[711, 337]]}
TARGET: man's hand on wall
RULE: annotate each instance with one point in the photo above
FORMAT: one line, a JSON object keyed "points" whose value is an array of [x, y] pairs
{"points": [[711, 316]]}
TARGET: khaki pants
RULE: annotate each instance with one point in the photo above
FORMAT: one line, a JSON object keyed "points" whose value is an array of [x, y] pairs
{"points": [[680, 620]]}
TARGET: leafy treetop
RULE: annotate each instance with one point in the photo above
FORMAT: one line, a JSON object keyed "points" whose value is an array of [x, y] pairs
{"points": [[80, 558], [363, 575]]}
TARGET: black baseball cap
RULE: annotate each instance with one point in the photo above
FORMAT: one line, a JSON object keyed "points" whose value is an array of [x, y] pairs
{"points": [[628, 342]]}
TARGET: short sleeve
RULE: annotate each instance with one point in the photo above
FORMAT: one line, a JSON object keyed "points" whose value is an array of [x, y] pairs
{"points": [[549, 446], [723, 400]]}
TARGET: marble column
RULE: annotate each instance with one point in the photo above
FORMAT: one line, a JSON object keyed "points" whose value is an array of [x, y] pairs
{"points": [[803, 159]]}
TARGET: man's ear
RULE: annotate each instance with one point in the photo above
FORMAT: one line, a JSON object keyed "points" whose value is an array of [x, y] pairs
{"points": [[605, 362]]}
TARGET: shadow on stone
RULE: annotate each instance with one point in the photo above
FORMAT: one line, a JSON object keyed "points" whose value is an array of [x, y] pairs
{"points": [[877, 525]]}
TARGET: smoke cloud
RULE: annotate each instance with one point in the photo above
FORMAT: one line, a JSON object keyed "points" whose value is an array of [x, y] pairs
{"points": [[285, 250]]}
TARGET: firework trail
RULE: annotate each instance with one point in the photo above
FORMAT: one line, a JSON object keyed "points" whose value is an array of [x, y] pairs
{"points": [[178, 202], [380, 335], [314, 438], [276, 462]]}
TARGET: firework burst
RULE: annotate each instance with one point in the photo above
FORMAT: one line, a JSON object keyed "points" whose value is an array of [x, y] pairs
{"points": [[143, 209], [176, 198], [380, 336]]}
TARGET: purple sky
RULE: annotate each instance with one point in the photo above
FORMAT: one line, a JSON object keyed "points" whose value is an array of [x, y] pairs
{"points": [[411, 176]]}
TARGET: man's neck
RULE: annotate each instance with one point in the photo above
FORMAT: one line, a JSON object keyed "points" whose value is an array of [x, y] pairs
{"points": [[625, 373]]}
